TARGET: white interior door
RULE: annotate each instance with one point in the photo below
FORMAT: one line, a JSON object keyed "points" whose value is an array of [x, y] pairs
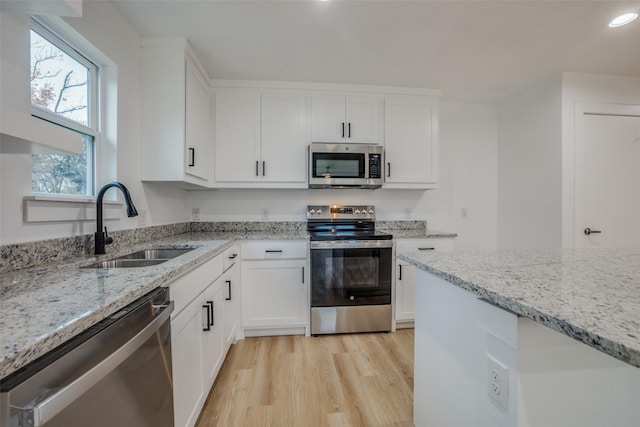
{"points": [[607, 176]]}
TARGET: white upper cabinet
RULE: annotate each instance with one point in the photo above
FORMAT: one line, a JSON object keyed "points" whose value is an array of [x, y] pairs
{"points": [[344, 119], [260, 139], [284, 138], [198, 123], [236, 136], [176, 114], [411, 142]]}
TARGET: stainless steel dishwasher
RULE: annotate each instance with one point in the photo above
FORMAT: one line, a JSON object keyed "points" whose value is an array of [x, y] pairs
{"points": [[117, 373]]}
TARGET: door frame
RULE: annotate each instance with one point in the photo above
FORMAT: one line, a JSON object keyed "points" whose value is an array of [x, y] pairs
{"points": [[573, 136]]}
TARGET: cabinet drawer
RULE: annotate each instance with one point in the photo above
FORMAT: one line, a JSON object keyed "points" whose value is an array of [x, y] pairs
{"points": [[275, 249], [413, 245], [189, 286], [230, 256]]}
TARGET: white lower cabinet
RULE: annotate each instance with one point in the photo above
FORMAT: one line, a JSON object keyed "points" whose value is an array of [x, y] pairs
{"points": [[203, 327], [188, 381], [231, 299], [275, 290], [406, 276]]}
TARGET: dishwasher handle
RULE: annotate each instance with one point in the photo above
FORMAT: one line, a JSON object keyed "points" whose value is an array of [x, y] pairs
{"points": [[54, 404]]}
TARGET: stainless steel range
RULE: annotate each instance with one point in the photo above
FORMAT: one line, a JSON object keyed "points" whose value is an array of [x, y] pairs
{"points": [[351, 270]]}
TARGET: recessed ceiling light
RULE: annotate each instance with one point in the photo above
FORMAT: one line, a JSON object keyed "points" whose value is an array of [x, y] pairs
{"points": [[623, 20]]}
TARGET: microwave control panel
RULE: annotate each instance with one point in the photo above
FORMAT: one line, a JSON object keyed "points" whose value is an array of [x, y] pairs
{"points": [[375, 165]]}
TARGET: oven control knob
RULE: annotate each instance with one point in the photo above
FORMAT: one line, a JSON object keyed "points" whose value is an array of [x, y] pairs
{"points": [[312, 211], [357, 212], [318, 211], [370, 211], [352, 298]]}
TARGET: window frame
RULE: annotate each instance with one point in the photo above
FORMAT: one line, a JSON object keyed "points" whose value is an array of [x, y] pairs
{"points": [[92, 129]]}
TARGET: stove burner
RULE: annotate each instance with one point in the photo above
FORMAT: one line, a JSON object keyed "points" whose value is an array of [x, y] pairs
{"points": [[326, 223]]}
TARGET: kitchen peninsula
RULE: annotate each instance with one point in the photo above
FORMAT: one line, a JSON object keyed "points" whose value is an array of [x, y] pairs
{"points": [[491, 336]]}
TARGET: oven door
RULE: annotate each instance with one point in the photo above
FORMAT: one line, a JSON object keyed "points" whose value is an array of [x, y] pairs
{"points": [[351, 273]]}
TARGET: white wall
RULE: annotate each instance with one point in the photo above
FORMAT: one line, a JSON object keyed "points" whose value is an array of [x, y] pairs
{"points": [[103, 27], [535, 155], [468, 135], [530, 167]]}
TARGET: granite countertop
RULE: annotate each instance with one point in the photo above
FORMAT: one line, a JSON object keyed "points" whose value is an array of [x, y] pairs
{"points": [[42, 307], [591, 295]]}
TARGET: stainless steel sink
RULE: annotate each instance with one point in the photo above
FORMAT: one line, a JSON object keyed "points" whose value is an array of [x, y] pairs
{"points": [[143, 258], [161, 253], [126, 263]]}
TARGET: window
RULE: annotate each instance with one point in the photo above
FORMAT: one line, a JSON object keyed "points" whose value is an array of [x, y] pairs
{"points": [[64, 92]]}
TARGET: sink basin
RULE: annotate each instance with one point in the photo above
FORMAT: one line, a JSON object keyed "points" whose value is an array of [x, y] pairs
{"points": [[143, 258], [125, 263], [162, 253]]}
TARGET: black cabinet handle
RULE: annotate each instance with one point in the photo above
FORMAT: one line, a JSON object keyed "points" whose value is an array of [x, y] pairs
{"points": [[228, 282], [426, 249], [257, 163], [588, 231], [349, 129], [400, 269], [233, 256], [273, 251], [302, 274], [192, 156], [343, 129], [264, 168], [388, 170], [209, 308], [211, 304]]}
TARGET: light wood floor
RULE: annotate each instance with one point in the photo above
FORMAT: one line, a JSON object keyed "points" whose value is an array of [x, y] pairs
{"points": [[331, 380]]}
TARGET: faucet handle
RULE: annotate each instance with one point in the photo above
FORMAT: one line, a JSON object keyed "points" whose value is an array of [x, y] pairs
{"points": [[107, 240]]}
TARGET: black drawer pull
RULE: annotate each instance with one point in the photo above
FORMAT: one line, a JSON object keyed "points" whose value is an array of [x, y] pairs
{"points": [[228, 282], [400, 269], [233, 256], [426, 249], [192, 157], [273, 251]]}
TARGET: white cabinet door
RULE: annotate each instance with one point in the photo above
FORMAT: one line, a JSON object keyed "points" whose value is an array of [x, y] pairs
{"points": [[405, 291], [213, 350], [176, 118], [328, 118], [284, 138], [343, 119], [237, 136], [406, 276], [411, 142], [231, 299], [363, 119], [274, 293], [198, 123], [187, 362]]}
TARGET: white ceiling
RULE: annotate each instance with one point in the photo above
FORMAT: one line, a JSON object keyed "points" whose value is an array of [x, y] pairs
{"points": [[475, 51]]}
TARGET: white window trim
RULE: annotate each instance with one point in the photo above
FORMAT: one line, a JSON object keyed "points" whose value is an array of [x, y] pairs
{"points": [[38, 204]]}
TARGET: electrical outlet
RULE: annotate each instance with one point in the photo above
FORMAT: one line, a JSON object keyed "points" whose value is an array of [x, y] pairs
{"points": [[464, 213], [195, 214], [498, 383], [264, 214]]}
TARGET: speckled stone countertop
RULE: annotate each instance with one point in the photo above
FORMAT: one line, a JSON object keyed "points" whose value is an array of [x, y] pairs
{"points": [[44, 306], [591, 295]]}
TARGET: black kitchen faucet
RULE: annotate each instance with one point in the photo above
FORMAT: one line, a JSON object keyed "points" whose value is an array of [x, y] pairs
{"points": [[101, 237]]}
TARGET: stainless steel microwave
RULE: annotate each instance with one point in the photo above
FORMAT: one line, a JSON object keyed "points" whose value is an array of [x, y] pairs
{"points": [[345, 166]]}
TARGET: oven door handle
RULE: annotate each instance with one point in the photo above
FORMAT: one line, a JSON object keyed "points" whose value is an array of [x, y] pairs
{"points": [[54, 404], [351, 244]]}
